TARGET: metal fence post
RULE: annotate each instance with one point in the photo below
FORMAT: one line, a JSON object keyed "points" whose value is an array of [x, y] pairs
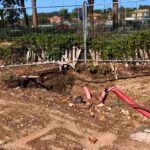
{"points": [[85, 29]]}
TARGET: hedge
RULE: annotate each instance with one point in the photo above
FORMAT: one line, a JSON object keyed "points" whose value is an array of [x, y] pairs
{"points": [[112, 46]]}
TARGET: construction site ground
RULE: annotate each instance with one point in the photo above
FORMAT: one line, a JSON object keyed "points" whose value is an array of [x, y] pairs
{"points": [[34, 118]]}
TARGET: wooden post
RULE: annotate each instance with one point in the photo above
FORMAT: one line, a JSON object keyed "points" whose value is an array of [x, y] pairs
{"points": [[34, 14]]}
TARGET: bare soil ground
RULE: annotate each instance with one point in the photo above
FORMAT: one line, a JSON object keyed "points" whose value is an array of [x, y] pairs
{"points": [[36, 119]]}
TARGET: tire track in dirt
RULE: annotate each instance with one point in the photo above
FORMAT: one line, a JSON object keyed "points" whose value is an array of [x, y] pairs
{"points": [[61, 120], [22, 143]]}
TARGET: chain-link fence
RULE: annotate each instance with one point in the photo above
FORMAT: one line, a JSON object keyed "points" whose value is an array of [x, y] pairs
{"points": [[57, 31], [114, 30], [120, 30], [122, 16], [50, 19]]}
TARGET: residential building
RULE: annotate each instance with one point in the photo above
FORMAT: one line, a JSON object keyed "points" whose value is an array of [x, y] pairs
{"points": [[139, 15], [55, 20], [97, 16]]}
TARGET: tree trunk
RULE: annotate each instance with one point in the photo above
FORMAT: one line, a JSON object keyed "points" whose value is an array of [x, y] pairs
{"points": [[2, 23], [90, 13], [34, 14], [22, 3], [115, 14]]}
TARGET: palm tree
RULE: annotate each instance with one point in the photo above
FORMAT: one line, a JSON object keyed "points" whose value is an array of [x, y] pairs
{"points": [[115, 13], [34, 14], [90, 13], [91, 3]]}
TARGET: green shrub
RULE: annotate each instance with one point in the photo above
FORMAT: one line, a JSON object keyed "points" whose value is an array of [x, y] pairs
{"points": [[112, 46], [93, 70], [53, 45], [6, 76], [105, 70]]}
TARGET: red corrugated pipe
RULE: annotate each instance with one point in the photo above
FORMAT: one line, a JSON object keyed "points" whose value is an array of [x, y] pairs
{"points": [[124, 98]]}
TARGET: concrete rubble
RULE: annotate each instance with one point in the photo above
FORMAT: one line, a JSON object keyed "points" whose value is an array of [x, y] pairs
{"points": [[142, 136]]}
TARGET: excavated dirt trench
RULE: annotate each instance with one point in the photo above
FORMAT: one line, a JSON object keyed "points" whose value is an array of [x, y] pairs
{"points": [[40, 119]]}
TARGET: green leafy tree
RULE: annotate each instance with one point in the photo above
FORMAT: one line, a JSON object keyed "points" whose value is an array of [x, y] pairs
{"points": [[2, 18], [21, 3], [74, 13], [10, 13], [144, 7], [64, 14], [43, 18]]}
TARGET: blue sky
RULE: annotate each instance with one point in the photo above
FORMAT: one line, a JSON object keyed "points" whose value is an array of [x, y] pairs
{"points": [[79, 2], [42, 3], [108, 3]]}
